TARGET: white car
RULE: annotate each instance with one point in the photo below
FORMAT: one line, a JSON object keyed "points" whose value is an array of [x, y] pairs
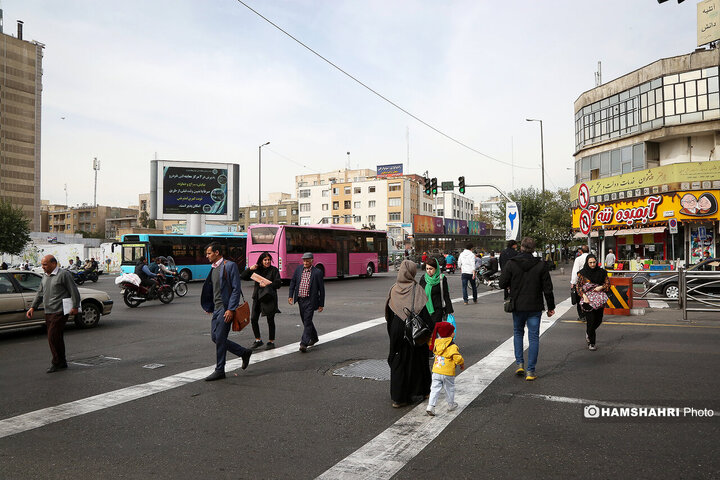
{"points": [[17, 292]]}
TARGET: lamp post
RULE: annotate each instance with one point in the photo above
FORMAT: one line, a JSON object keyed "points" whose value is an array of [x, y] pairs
{"points": [[542, 152], [259, 177]]}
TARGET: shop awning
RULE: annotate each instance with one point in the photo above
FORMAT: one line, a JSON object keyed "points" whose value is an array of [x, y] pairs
{"points": [[640, 231], [594, 234], [653, 229]]}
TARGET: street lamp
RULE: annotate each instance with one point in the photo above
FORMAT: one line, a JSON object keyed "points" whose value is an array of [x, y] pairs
{"points": [[259, 182], [542, 152]]}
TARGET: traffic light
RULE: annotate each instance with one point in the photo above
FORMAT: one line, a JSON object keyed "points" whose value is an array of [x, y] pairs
{"points": [[426, 182], [434, 186], [461, 184]]}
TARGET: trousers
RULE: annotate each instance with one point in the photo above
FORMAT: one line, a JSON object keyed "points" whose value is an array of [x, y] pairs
{"points": [[55, 323], [255, 322], [309, 335], [219, 331], [438, 382]]}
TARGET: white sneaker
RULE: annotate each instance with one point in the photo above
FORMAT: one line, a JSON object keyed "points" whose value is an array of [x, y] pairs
{"points": [[430, 411], [452, 406]]}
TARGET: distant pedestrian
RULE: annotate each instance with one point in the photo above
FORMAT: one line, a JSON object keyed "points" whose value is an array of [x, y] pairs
{"points": [[220, 297], [509, 252], [409, 369], [56, 287], [4, 266], [610, 259], [577, 266], [592, 283], [447, 357], [528, 279], [466, 263], [439, 303], [307, 288], [265, 299], [424, 257]]}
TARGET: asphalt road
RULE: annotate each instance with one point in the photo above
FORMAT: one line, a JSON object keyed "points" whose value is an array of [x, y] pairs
{"points": [[290, 417]]}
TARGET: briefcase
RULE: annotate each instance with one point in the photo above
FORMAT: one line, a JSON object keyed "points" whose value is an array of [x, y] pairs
{"points": [[241, 317]]}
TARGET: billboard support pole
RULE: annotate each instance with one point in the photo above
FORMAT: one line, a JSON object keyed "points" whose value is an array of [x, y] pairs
{"points": [[195, 224]]}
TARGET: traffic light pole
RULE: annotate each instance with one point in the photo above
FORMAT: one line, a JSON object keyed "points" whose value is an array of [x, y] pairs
{"points": [[491, 186]]}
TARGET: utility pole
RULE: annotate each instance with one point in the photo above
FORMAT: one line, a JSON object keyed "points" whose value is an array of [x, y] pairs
{"points": [[96, 167]]}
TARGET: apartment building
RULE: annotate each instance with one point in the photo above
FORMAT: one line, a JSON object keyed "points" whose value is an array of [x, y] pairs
{"points": [[280, 208], [83, 218], [20, 109], [454, 205]]}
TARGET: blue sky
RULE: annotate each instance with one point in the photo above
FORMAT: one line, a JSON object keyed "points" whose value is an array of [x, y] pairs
{"points": [[210, 81]]}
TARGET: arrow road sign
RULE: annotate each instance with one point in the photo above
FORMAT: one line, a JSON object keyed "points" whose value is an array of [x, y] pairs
{"points": [[583, 195], [585, 222]]}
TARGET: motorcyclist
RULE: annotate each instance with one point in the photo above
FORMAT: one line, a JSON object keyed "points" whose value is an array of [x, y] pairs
{"points": [[147, 278], [162, 268], [73, 267]]}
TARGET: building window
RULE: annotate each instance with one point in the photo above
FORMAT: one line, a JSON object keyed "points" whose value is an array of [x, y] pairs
{"points": [[282, 212], [394, 187], [304, 193], [357, 219], [441, 212], [371, 218], [357, 204], [394, 202], [336, 191], [371, 204], [253, 213], [346, 204], [394, 217], [335, 219], [325, 206], [371, 189], [347, 190], [304, 207], [264, 213], [357, 189], [326, 193], [294, 211], [336, 205], [304, 220]]}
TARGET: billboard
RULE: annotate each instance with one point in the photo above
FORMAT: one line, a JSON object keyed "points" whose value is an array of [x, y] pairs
{"points": [[708, 21], [392, 170], [427, 224], [456, 227], [179, 189], [477, 228]]}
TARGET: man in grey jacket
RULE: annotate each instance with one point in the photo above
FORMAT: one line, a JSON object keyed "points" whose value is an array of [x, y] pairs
{"points": [[57, 285]]}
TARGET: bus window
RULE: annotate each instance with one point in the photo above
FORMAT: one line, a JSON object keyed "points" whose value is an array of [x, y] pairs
{"points": [[132, 253], [263, 235], [370, 243]]}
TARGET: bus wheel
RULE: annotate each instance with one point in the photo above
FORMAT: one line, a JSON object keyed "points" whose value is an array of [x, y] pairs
{"points": [[369, 270], [185, 275]]}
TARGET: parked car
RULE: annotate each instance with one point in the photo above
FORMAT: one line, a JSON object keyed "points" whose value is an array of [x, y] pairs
{"points": [[667, 285], [17, 292]]}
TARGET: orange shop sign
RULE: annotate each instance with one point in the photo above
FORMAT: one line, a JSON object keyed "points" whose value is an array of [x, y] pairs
{"points": [[690, 205]]}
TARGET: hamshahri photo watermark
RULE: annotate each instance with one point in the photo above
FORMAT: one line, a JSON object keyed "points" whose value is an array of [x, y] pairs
{"points": [[640, 413]]}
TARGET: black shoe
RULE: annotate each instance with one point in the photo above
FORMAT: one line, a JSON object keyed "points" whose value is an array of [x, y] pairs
{"points": [[303, 348], [256, 344], [216, 375], [313, 342], [55, 368], [474, 300], [269, 345], [246, 359]]}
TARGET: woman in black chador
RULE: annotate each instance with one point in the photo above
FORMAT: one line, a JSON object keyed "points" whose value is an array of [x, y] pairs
{"points": [[409, 367]]}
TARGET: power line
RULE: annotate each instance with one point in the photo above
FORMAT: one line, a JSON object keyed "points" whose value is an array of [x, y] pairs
{"points": [[378, 93], [291, 160]]}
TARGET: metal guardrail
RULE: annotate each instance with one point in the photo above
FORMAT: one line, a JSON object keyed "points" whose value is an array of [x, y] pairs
{"points": [[694, 286], [642, 288]]}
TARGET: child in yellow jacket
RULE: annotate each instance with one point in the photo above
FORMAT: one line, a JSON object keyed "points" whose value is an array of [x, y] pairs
{"points": [[447, 356]]}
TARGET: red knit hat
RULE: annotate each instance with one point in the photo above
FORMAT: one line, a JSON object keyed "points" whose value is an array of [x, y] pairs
{"points": [[442, 329]]}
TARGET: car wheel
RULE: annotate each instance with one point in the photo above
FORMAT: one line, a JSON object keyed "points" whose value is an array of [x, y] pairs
{"points": [[671, 291], [166, 295], [89, 317], [129, 300], [181, 289], [185, 275]]}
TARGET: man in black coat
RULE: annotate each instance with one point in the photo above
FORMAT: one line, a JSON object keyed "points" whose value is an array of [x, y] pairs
{"points": [[307, 288], [528, 279]]}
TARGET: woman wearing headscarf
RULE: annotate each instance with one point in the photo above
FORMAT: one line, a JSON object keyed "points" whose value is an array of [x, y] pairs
{"points": [[409, 367], [439, 304], [592, 283], [264, 297]]}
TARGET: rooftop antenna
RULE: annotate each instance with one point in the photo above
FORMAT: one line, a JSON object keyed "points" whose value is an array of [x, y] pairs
{"points": [[66, 196], [598, 75], [347, 166]]}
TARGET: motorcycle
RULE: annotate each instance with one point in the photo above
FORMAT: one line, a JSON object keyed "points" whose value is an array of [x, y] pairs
{"points": [[179, 285], [134, 295], [483, 276], [450, 268], [80, 276]]}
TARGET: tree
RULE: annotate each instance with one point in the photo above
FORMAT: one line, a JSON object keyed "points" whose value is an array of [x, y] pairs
{"points": [[545, 217], [14, 229]]}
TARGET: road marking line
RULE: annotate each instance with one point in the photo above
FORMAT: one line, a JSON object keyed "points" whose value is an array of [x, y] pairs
{"points": [[647, 324], [386, 454], [46, 416]]}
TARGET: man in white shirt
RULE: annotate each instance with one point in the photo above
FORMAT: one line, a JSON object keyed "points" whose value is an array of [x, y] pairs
{"points": [[466, 264], [577, 266], [610, 259]]}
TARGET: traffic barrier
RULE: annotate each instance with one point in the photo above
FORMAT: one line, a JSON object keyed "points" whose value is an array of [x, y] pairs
{"points": [[620, 296]]}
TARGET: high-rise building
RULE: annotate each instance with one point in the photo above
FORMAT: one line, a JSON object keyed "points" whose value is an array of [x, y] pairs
{"points": [[20, 108]]}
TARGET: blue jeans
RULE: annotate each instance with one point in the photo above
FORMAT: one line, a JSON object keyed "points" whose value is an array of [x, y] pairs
{"points": [[219, 331], [467, 277], [532, 319]]}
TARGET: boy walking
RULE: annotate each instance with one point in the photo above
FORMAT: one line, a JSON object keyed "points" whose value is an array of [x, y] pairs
{"points": [[447, 356]]}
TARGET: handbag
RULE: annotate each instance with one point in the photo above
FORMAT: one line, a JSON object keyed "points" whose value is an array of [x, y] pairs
{"points": [[509, 305], [241, 318], [416, 331], [574, 297]]}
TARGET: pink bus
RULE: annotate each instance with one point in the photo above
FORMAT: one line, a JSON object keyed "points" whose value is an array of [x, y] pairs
{"points": [[338, 251]]}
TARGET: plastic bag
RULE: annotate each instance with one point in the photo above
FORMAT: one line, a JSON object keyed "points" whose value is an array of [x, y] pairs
{"points": [[451, 320]]}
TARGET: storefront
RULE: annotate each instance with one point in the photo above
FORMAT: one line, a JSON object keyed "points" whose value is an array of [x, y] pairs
{"points": [[634, 213]]}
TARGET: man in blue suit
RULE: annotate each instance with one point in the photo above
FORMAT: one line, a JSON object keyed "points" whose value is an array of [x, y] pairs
{"points": [[220, 297], [307, 288]]}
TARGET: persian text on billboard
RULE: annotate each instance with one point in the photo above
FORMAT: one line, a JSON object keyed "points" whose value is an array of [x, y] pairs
{"points": [[393, 170], [194, 190]]}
